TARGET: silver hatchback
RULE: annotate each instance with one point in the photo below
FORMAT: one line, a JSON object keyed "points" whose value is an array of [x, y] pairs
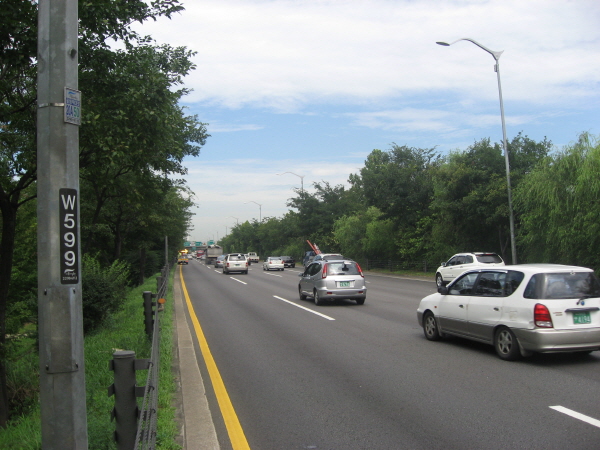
{"points": [[332, 280]]}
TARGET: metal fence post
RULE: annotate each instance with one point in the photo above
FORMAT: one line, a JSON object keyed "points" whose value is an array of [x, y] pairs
{"points": [[148, 312], [159, 283], [126, 409]]}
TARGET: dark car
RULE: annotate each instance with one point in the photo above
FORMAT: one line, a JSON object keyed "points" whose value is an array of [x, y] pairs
{"points": [[288, 261]]}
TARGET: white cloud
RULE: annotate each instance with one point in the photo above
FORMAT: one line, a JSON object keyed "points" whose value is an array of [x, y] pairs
{"points": [[226, 188], [283, 54], [369, 65]]}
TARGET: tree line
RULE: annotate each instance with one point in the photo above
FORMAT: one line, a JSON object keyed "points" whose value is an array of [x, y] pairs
{"points": [[416, 204], [132, 141]]}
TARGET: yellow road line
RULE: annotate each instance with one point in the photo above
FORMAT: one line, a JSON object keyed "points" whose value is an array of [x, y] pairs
{"points": [[234, 428]]}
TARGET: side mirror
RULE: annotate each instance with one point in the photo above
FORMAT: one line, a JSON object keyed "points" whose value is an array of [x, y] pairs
{"points": [[301, 274], [443, 290]]}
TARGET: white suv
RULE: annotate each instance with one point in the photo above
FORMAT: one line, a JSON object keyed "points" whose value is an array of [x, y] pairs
{"points": [[460, 262], [235, 262]]}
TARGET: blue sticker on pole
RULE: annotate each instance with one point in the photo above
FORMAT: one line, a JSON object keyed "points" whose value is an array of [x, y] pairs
{"points": [[69, 236]]}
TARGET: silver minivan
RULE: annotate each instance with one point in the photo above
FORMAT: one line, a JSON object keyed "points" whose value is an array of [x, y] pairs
{"points": [[332, 280]]}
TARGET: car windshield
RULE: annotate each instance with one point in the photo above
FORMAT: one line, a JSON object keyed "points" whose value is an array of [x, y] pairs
{"points": [[342, 268], [563, 285], [490, 258]]}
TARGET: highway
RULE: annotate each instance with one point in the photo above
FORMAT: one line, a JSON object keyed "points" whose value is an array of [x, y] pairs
{"points": [[343, 376]]}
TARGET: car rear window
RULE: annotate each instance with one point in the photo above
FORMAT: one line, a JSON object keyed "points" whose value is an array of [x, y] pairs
{"points": [[340, 268], [562, 285], [286, 257], [490, 258], [237, 258]]}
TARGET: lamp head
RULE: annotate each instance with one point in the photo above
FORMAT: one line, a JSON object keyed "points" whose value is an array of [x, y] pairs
{"points": [[445, 44]]}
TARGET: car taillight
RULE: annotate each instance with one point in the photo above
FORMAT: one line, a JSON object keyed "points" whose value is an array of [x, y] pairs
{"points": [[541, 316], [359, 270], [324, 274]]}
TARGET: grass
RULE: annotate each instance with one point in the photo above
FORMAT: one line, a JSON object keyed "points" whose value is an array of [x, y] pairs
{"points": [[124, 331]]}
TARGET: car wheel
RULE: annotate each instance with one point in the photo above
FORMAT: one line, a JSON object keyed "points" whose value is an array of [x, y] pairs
{"points": [[506, 344], [360, 301], [430, 328], [318, 300], [246, 272], [300, 294], [439, 281]]}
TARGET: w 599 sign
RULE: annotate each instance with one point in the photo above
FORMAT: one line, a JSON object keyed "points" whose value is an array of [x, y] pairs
{"points": [[69, 229]]}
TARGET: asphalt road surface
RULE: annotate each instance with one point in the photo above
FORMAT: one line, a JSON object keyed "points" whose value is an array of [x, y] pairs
{"points": [[364, 377]]}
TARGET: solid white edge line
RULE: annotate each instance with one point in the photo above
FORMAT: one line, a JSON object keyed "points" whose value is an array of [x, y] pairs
{"points": [[302, 307], [576, 415]]}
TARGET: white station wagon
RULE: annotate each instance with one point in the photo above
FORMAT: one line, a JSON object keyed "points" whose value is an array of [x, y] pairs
{"points": [[518, 309]]}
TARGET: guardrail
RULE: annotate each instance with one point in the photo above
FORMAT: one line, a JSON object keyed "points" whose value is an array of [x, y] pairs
{"points": [[419, 266], [136, 428]]}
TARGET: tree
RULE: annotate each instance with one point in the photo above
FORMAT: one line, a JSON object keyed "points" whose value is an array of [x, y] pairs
{"points": [[99, 21], [318, 212], [470, 203], [558, 205]]}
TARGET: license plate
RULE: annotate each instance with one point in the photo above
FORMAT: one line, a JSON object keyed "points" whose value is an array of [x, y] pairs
{"points": [[344, 284], [581, 318]]}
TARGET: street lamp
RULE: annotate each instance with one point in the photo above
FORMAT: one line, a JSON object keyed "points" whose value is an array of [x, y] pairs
{"points": [[259, 210], [236, 219], [300, 176], [511, 218]]}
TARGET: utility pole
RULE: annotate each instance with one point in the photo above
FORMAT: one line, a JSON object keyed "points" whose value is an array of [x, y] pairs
{"points": [[60, 318]]}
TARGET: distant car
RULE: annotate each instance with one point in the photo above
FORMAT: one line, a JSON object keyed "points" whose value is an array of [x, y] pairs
{"points": [[235, 262], [308, 258], [518, 309], [253, 257], [219, 261], [330, 280], [461, 262], [288, 261], [273, 263]]}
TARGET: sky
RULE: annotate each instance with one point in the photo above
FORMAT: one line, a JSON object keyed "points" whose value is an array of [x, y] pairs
{"points": [[313, 86]]}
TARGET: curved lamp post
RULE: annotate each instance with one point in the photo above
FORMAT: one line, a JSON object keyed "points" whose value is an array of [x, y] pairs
{"points": [[511, 218], [259, 210], [300, 176], [236, 219]]}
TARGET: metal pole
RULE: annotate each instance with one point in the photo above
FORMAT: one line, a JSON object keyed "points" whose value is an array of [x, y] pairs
{"points": [[60, 317], [124, 390], [148, 312], [496, 55], [511, 217]]}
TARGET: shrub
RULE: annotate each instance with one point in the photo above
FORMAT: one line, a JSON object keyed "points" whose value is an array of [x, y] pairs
{"points": [[103, 290]]}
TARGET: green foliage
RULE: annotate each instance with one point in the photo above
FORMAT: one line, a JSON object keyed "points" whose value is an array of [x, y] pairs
{"points": [[125, 330], [470, 200], [103, 290], [558, 206]]}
